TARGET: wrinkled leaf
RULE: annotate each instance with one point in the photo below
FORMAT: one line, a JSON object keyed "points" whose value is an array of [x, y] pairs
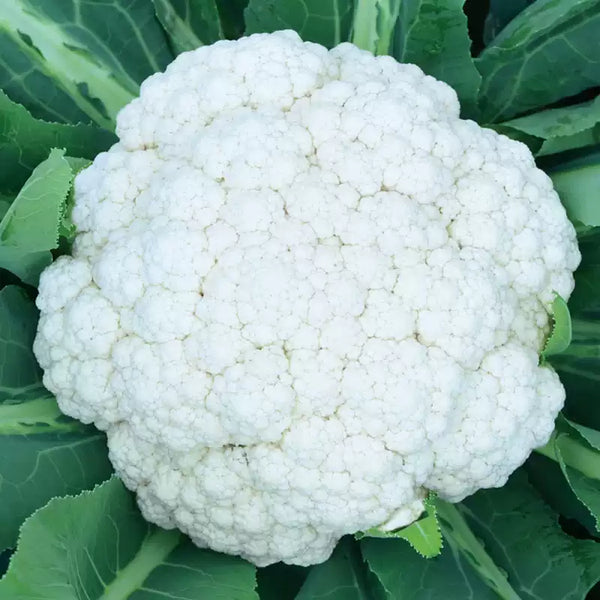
{"points": [[98, 546], [521, 534], [30, 227], [326, 22], [548, 52], [73, 60], [189, 23], [25, 142], [433, 35]]}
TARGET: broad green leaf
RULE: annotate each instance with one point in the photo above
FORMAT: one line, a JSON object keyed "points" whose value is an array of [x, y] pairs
{"points": [[549, 481], [579, 191], [20, 375], [280, 581], [189, 23], [374, 24], [433, 35], [423, 535], [501, 12], [577, 450], [548, 52], [405, 575], [232, 17], [30, 227], [561, 334], [25, 142], [558, 129], [522, 535], [98, 546], [461, 540], [326, 22], [73, 60], [42, 453], [343, 577]]}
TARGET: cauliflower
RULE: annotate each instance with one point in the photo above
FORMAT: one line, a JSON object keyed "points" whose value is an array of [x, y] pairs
{"points": [[304, 293]]}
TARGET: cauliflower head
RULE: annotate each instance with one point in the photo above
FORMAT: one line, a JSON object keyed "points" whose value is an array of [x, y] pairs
{"points": [[303, 293]]}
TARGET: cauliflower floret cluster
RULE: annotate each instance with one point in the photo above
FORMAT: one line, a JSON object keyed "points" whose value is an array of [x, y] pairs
{"points": [[303, 293]]}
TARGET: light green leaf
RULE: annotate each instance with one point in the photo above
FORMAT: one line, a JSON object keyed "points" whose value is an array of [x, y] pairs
{"points": [[405, 575], [42, 453], [342, 577], [326, 22], [559, 129], [25, 142], [579, 191], [97, 546], [30, 227], [423, 535], [548, 52], [560, 338], [374, 24], [521, 534], [73, 60], [433, 35], [189, 23]]}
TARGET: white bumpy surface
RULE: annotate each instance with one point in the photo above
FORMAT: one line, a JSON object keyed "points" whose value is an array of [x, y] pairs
{"points": [[304, 292]]}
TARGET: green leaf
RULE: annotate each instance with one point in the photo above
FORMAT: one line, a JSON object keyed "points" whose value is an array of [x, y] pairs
{"points": [[326, 22], [374, 24], [548, 52], [405, 575], [433, 35], [461, 539], [500, 14], [189, 23], [280, 581], [522, 536], [577, 450], [560, 338], [343, 577], [559, 129], [424, 535], [73, 60], [579, 191], [20, 375], [549, 481], [98, 546], [25, 142], [42, 453], [30, 227]]}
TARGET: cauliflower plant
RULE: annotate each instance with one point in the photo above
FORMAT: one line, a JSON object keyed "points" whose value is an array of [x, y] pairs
{"points": [[302, 294]]}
